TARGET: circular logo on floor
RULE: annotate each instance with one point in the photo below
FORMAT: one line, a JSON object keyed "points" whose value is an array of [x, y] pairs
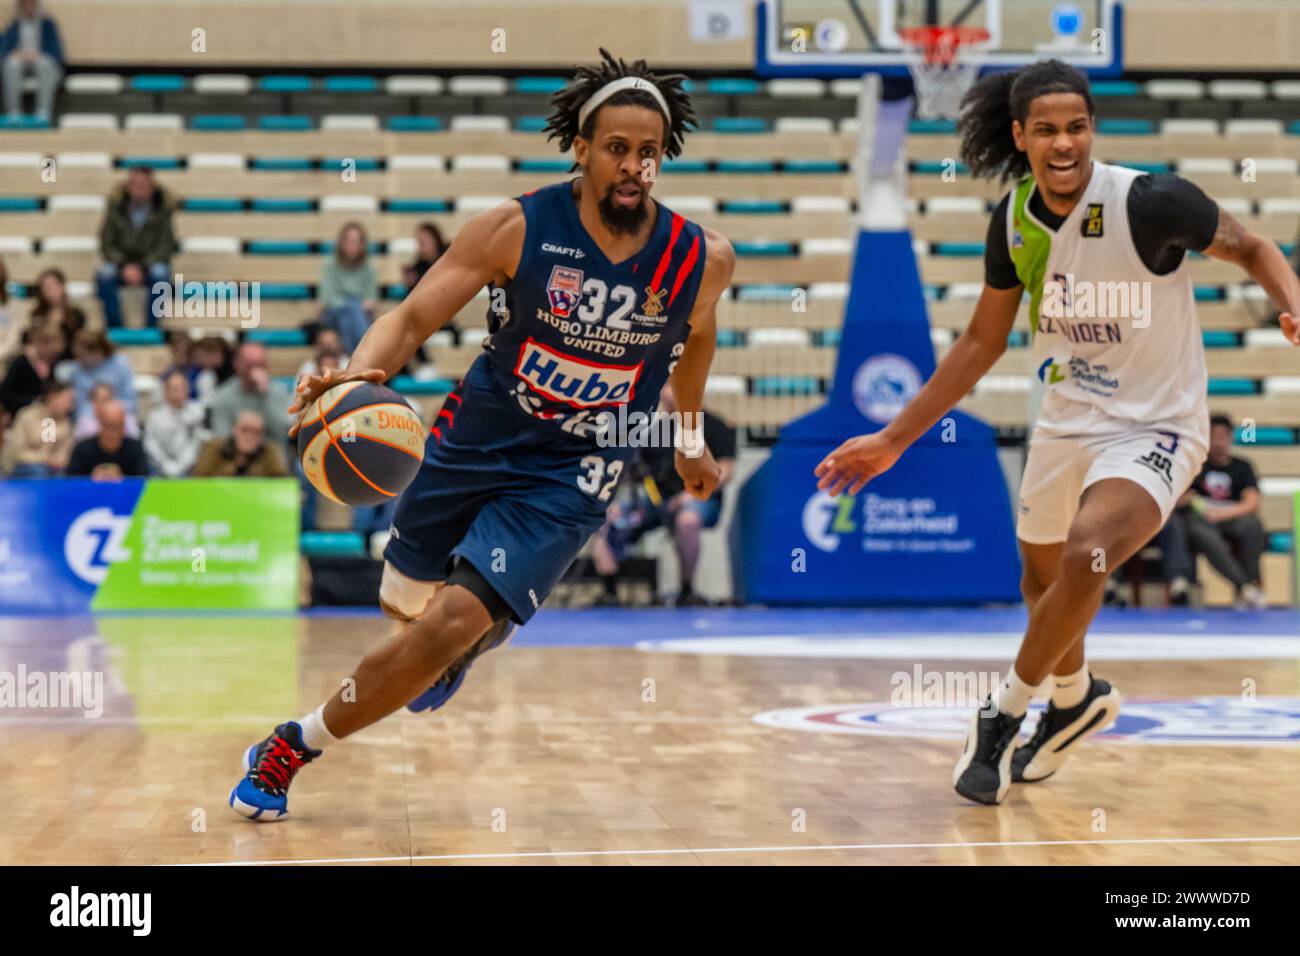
{"points": [[1200, 721]]}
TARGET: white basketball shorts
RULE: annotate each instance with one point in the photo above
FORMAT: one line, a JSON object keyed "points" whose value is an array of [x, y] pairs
{"points": [[1061, 467]]}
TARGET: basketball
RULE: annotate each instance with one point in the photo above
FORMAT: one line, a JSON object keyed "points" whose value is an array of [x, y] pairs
{"points": [[361, 444]]}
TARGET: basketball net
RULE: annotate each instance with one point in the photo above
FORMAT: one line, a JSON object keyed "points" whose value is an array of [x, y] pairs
{"points": [[944, 62]]}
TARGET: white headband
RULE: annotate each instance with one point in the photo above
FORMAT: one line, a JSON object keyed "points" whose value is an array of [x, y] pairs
{"points": [[617, 86]]}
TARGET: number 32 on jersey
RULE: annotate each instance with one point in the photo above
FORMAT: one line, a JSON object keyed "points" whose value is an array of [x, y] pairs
{"points": [[601, 478]]}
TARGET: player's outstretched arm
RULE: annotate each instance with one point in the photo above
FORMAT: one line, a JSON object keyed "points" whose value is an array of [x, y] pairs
{"points": [[486, 247], [1264, 262], [860, 459], [699, 472]]}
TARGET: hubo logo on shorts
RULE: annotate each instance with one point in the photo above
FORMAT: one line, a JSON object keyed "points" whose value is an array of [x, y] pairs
{"points": [[94, 541], [883, 385], [1201, 721], [826, 518], [563, 378]]}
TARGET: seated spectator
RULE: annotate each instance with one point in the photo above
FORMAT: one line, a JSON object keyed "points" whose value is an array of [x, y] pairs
{"points": [[349, 287], [1218, 516], [246, 453], [53, 307], [137, 242], [251, 388], [111, 454], [429, 247], [25, 379], [662, 501], [327, 344], [40, 441], [182, 361], [31, 45], [11, 330], [173, 431], [95, 361], [87, 425], [214, 359]]}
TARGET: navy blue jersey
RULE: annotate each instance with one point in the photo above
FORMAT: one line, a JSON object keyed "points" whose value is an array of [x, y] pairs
{"points": [[580, 335]]}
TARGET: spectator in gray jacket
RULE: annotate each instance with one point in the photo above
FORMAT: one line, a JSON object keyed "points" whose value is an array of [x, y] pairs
{"points": [[173, 432], [251, 388]]}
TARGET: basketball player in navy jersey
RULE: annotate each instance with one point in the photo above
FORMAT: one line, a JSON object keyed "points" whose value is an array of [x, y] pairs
{"points": [[599, 295]]}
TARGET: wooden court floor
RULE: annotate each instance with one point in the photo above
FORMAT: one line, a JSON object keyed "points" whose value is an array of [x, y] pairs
{"points": [[598, 755]]}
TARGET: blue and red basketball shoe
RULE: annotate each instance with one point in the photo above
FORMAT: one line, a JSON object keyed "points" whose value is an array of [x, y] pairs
{"points": [[269, 768], [454, 676]]}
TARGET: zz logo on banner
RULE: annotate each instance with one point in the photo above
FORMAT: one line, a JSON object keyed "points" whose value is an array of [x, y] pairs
{"points": [[564, 290]]}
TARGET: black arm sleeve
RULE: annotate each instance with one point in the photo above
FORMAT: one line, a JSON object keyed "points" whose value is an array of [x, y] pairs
{"points": [[1167, 215], [999, 270]]}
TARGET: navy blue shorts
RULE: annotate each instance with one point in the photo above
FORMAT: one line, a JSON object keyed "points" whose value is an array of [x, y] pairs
{"points": [[497, 489]]}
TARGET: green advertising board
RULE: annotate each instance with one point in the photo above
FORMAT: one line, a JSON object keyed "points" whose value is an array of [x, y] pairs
{"points": [[208, 543]]}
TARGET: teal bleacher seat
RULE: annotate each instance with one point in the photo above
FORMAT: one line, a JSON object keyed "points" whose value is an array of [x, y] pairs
{"points": [[331, 544], [153, 162], [418, 205], [543, 165], [932, 127], [130, 337], [687, 166], [1220, 338], [20, 123], [1209, 293], [739, 124], [1118, 126], [1146, 166], [212, 204], [1267, 435], [407, 385], [786, 385], [282, 204], [1233, 386], [364, 164], [351, 84], [1018, 339], [284, 84], [19, 204], [415, 124], [158, 83], [764, 247], [1107, 88], [827, 338], [277, 338], [278, 247], [814, 166], [753, 207], [1293, 128], [282, 164], [730, 338], [731, 86], [1279, 542], [218, 123], [395, 291], [287, 291], [284, 124], [539, 84], [745, 166], [957, 249], [766, 292], [530, 124], [937, 167], [1288, 248], [931, 292]]}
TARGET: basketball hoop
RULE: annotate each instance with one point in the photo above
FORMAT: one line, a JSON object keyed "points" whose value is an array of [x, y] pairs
{"points": [[944, 62]]}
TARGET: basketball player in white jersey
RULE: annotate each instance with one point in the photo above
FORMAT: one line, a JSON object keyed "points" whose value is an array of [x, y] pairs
{"points": [[1123, 429]]}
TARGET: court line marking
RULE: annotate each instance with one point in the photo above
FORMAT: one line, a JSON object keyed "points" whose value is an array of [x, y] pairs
{"points": [[684, 851]]}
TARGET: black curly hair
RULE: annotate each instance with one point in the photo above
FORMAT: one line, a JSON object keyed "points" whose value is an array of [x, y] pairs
{"points": [[990, 106], [563, 121]]}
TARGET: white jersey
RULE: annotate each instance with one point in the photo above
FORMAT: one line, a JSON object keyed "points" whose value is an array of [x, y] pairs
{"points": [[1115, 345]]}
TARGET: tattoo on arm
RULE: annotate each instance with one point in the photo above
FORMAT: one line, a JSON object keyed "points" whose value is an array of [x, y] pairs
{"points": [[1229, 238]]}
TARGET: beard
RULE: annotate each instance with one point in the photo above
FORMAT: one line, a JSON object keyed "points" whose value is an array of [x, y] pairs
{"points": [[620, 220]]}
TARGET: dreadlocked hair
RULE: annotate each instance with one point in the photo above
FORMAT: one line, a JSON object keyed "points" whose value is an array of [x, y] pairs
{"points": [[990, 106], [563, 121]]}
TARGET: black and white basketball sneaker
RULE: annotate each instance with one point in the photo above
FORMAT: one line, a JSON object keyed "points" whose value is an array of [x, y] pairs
{"points": [[983, 773], [1061, 729]]}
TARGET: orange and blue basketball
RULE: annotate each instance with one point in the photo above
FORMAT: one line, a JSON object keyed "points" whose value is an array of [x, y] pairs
{"points": [[361, 444]]}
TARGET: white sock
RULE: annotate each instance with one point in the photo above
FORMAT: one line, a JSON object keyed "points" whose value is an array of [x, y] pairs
{"points": [[1012, 695], [1068, 690], [315, 735]]}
